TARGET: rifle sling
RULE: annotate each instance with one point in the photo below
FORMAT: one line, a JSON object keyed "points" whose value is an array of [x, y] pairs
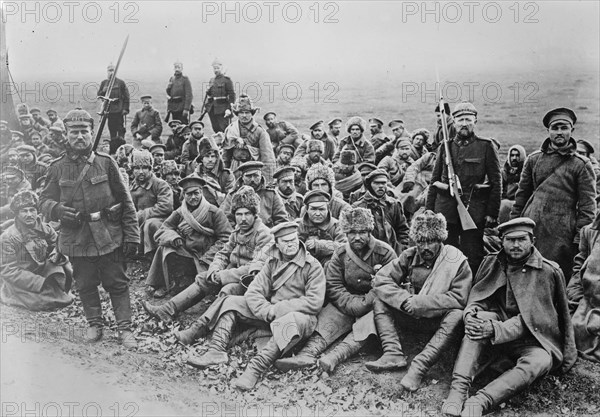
{"points": [[79, 180]]}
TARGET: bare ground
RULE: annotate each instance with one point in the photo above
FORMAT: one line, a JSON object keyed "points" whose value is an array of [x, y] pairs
{"points": [[45, 364]]}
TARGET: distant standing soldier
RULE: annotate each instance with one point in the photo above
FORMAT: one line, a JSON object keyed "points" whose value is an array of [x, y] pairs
{"points": [[179, 93], [146, 122], [117, 110], [220, 98], [99, 228]]}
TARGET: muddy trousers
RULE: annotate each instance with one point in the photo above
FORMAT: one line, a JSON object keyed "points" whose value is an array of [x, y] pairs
{"points": [[532, 362], [108, 270]]}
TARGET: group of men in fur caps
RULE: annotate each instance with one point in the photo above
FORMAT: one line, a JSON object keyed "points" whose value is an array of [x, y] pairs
{"points": [[312, 247]]}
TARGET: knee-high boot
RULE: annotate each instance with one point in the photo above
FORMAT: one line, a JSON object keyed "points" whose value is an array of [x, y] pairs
{"points": [[393, 356], [443, 338], [307, 356], [181, 302], [344, 350], [259, 364], [217, 347]]}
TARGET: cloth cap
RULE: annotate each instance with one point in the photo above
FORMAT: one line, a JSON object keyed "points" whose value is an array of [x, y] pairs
{"points": [[375, 174], [78, 117], [245, 197], [250, 166], [17, 132], [355, 120], [174, 123], [334, 121], [147, 143], [268, 113], [35, 133], [464, 107], [284, 229], [34, 110], [376, 120], [428, 227], [313, 145], [561, 114], [196, 122], [51, 111], [23, 199], [146, 97], [216, 61], [141, 158], [588, 146], [158, 148], [3, 122], [286, 146], [366, 167], [395, 123], [284, 172], [56, 129], [110, 67], [517, 226], [356, 219], [316, 125], [316, 196], [26, 148], [403, 142], [190, 182]]}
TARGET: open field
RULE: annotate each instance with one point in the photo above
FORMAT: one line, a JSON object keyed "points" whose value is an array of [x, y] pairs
{"points": [[55, 366]]}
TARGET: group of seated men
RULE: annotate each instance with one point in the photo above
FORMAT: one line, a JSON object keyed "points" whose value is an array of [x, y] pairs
{"points": [[310, 240]]}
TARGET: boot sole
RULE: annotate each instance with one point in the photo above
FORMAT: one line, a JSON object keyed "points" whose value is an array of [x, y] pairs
{"points": [[286, 366], [384, 369], [205, 365]]}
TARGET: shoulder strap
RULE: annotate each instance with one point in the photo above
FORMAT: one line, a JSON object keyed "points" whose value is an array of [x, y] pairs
{"points": [[84, 171], [543, 182]]}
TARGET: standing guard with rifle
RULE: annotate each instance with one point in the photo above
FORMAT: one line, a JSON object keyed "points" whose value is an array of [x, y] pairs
{"points": [[219, 98], [459, 188], [179, 93], [99, 228], [118, 109]]}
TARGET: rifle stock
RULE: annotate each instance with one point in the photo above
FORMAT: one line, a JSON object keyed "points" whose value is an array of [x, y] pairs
{"points": [[454, 188]]}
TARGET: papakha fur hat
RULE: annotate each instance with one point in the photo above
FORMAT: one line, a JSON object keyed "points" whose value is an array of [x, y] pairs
{"points": [[169, 166], [315, 145], [356, 219], [348, 157], [244, 103], [428, 226], [320, 171], [141, 158], [23, 199], [355, 120], [245, 197]]}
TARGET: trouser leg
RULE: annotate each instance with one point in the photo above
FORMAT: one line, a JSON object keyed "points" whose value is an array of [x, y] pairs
{"points": [[86, 275], [114, 280]]}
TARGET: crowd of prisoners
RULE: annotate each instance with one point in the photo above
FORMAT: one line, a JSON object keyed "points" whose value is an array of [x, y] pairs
{"points": [[320, 240]]}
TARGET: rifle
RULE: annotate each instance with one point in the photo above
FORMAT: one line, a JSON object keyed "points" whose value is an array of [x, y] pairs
{"points": [[168, 116], [203, 109], [454, 187], [106, 100]]}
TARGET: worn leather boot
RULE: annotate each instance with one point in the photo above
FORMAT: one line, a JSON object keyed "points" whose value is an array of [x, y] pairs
{"points": [[345, 349], [217, 347], [307, 356], [259, 364], [439, 343], [126, 339], [393, 356], [179, 303], [189, 336], [473, 407], [93, 334], [467, 365]]}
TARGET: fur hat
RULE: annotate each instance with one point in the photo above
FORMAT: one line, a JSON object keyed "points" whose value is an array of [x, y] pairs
{"points": [[205, 146], [315, 145], [423, 132], [320, 171], [141, 158], [355, 120], [357, 219], [123, 153], [245, 197], [299, 161], [348, 157], [428, 226], [244, 103], [23, 199], [169, 167]]}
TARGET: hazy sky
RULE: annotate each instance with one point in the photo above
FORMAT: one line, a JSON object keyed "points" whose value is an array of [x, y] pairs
{"points": [[276, 39]]}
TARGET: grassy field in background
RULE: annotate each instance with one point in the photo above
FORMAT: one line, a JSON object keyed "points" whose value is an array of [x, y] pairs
{"points": [[511, 106]]}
